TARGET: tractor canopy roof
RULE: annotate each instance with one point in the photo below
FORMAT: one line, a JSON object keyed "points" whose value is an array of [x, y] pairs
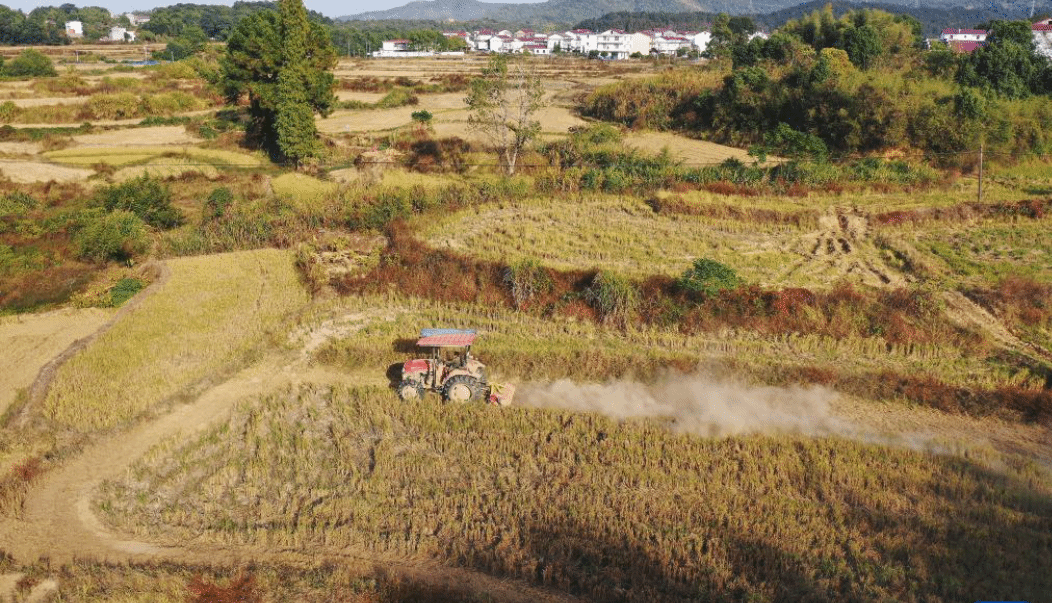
{"points": [[446, 338]]}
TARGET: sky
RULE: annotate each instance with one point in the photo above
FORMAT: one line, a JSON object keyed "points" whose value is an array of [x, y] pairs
{"points": [[329, 8]]}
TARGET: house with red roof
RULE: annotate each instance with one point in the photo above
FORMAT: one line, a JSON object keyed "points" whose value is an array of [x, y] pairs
{"points": [[951, 35]]}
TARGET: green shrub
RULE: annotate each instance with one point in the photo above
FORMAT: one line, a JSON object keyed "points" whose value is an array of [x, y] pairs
{"points": [[8, 111], [399, 97], [146, 197], [168, 103], [599, 133], [218, 201], [17, 203], [121, 105], [423, 116], [526, 279], [117, 236], [708, 277], [179, 70], [29, 63], [159, 120], [125, 289], [613, 296]]}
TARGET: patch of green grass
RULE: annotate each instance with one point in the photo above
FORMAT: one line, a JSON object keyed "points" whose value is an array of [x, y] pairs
{"points": [[987, 251], [303, 187], [124, 290]]}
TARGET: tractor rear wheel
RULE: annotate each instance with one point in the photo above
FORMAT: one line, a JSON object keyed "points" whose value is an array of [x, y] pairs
{"points": [[409, 391], [462, 388]]}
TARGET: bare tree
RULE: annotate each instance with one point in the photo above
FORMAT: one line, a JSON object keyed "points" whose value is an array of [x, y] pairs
{"points": [[502, 101]]}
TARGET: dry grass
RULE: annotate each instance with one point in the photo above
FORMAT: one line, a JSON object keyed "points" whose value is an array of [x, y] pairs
{"points": [[362, 97], [214, 314], [25, 172], [145, 582], [41, 102], [158, 135], [625, 235], [528, 347], [125, 155], [606, 510], [690, 152], [29, 341], [20, 148], [300, 186], [166, 167], [986, 250]]}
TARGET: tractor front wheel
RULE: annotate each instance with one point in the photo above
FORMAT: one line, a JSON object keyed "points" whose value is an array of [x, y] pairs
{"points": [[410, 391], [462, 388]]}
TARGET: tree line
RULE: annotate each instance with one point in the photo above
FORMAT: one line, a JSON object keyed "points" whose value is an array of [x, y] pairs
{"points": [[823, 87]]}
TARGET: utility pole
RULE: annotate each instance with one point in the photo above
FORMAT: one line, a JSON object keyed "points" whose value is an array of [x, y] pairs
{"points": [[980, 173]]}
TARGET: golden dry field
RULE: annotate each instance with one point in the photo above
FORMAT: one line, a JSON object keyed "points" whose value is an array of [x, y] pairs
{"points": [[863, 399]]}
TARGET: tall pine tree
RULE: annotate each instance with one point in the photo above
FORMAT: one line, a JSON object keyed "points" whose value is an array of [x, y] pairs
{"points": [[283, 63]]}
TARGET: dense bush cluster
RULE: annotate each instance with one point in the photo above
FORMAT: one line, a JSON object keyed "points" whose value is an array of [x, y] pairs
{"points": [[822, 86], [29, 63], [146, 197]]}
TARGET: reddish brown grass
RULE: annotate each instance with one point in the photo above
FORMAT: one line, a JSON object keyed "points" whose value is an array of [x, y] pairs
{"points": [[240, 590], [1031, 208]]}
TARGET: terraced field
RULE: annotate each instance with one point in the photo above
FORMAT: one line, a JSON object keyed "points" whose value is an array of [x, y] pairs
{"points": [[866, 399]]}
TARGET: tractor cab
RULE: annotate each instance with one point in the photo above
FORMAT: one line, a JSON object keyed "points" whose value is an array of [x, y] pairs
{"points": [[448, 368]]}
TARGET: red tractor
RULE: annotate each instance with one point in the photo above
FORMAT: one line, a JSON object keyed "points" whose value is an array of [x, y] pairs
{"points": [[450, 370]]}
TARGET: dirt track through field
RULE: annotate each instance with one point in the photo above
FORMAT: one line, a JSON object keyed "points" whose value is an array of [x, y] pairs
{"points": [[39, 388], [842, 247], [58, 522], [32, 341]]}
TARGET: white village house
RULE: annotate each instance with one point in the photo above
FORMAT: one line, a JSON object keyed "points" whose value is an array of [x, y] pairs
{"points": [[75, 29], [610, 44], [1042, 32], [951, 35], [617, 44], [120, 34]]}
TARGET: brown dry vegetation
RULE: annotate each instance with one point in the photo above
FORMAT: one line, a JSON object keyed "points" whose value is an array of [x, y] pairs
{"points": [[91, 581], [845, 267], [605, 510]]}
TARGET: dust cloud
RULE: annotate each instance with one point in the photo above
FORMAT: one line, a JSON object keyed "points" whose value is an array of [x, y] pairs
{"points": [[699, 405]]}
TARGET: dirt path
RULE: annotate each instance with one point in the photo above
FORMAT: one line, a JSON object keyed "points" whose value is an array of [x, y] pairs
{"points": [[40, 386], [58, 522], [30, 341]]}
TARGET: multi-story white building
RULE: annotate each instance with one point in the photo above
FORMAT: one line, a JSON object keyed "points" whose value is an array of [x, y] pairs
{"points": [[616, 44], [74, 29], [669, 43], [582, 40]]}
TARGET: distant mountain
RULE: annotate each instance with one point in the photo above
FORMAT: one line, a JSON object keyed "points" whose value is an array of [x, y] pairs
{"points": [[574, 11], [552, 11], [933, 18]]}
